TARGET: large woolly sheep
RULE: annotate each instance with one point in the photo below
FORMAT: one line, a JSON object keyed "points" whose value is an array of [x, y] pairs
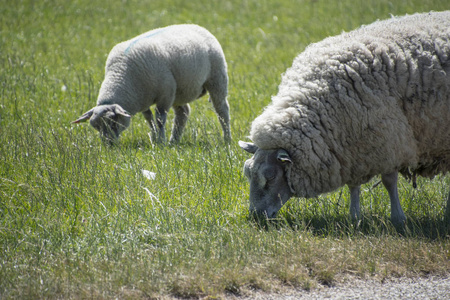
{"points": [[372, 101], [168, 67]]}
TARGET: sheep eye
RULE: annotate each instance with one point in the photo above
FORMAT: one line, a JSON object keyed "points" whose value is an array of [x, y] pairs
{"points": [[269, 180], [269, 174]]}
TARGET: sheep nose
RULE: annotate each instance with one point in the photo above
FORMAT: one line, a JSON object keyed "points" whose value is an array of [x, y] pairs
{"points": [[108, 140], [261, 214]]}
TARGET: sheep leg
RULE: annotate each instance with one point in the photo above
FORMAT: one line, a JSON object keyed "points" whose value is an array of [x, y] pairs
{"points": [[149, 117], [222, 110], [181, 115], [398, 217], [447, 210], [161, 117], [355, 212], [218, 97]]}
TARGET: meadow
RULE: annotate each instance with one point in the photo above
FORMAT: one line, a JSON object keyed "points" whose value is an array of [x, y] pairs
{"points": [[79, 219]]}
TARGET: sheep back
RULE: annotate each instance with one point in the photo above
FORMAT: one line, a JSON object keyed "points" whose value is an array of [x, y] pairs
{"points": [[367, 102], [152, 65]]}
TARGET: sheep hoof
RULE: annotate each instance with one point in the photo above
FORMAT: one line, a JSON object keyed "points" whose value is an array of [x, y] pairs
{"points": [[399, 224]]}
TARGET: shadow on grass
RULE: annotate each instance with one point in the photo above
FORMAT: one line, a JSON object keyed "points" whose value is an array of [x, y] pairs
{"points": [[340, 225], [143, 143]]}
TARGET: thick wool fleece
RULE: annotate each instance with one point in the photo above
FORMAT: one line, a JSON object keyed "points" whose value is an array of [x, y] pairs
{"points": [[368, 102], [148, 69]]}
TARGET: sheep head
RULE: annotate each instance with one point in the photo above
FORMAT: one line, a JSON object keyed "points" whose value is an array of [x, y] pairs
{"points": [[110, 120], [267, 172]]}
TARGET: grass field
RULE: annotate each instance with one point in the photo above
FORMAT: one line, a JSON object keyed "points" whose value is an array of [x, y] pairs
{"points": [[79, 220]]}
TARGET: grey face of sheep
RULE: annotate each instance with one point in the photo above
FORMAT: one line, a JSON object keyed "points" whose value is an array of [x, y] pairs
{"points": [[109, 120], [266, 172]]}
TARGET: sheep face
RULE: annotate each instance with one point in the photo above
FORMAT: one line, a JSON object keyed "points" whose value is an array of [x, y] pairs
{"points": [[109, 120], [267, 174]]}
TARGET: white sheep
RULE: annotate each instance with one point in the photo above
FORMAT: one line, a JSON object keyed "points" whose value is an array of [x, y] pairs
{"points": [[168, 67], [372, 101]]}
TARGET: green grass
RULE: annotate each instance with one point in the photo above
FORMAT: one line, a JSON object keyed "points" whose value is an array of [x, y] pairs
{"points": [[79, 220]]}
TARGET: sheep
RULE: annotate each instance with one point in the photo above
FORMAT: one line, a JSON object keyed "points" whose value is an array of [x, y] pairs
{"points": [[373, 101], [169, 67]]}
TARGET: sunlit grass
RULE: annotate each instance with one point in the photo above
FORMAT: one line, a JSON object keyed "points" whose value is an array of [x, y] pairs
{"points": [[79, 219]]}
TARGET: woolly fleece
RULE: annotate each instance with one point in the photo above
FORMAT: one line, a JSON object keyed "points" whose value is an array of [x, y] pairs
{"points": [[371, 101], [167, 67]]}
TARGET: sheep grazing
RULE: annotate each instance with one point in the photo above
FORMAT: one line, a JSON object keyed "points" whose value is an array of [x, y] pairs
{"points": [[372, 101], [168, 67]]}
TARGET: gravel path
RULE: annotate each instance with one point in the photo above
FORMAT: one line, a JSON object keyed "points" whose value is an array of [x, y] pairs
{"points": [[400, 288]]}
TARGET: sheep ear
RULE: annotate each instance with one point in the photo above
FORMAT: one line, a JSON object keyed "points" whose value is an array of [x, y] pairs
{"points": [[120, 111], [249, 147], [283, 156], [86, 116]]}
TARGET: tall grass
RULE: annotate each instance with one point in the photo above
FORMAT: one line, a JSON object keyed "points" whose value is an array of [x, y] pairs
{"points": [[79, 220]]}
